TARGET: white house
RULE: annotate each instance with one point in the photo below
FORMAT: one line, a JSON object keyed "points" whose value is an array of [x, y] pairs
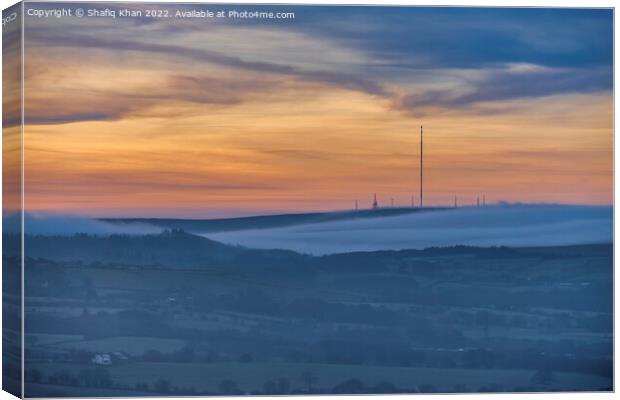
{"points": [[102, 359]]}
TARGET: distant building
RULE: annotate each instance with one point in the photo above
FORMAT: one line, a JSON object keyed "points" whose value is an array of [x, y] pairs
{"points": [[375, 204], [102, 359]]}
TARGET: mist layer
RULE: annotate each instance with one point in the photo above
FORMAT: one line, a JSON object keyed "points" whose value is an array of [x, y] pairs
{"points": [[515, 225]]}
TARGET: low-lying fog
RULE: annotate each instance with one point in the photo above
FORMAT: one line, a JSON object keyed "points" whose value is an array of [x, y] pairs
{"points": [[70, 225], [508, 225]]}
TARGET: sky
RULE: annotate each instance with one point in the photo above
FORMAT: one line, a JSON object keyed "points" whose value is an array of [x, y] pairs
{"points": [[11, 116], [199, 118]]}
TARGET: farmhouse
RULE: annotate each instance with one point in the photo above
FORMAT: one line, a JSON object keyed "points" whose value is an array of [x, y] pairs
{"points": [[102, 359]]}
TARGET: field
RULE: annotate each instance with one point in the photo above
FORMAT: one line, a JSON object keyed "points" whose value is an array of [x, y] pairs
{"points": [[133, 346], [213, 319]]}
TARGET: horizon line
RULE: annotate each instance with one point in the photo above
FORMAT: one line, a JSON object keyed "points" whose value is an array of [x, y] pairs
{"points": [[266, 213]]}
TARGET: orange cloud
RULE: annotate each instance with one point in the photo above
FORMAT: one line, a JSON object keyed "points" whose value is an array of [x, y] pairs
{"points": [[131, 133]]}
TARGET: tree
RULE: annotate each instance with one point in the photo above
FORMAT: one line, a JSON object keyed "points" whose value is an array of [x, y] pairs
{"points": [[384, 387], [95, 377], [351, 386], [284, 386], [460, 388], [427, 388], [162, 386], [270, 387], [34, 375], [103, 377], [228, 386], [142, 387], [60, 377], [308, 378]]}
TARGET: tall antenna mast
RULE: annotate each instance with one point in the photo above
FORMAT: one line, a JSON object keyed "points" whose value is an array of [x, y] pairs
{"points": [[421, 167]]}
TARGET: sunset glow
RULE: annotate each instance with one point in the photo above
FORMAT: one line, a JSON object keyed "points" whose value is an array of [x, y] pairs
{"points": [[175, 119]]}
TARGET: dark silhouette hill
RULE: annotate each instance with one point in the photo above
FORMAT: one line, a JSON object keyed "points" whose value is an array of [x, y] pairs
{"points": [[266, 221], [172, 248], [179, 249]]}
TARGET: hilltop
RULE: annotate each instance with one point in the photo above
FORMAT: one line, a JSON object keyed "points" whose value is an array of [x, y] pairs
{"points": [[266, 221]]}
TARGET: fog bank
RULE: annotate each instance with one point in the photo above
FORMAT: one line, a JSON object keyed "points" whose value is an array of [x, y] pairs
{"points": [[70, 225], [506, 225]]}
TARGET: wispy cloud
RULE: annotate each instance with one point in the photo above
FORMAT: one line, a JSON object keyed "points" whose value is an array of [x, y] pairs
{"points": [[573, 46], [510, 84], [343, 79], [136, 97], [316, 112], [470, 38]]}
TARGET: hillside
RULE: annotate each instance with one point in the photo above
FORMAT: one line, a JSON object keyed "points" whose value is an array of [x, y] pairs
{"points": [[265, 221], [193, 304], [171, 248]]}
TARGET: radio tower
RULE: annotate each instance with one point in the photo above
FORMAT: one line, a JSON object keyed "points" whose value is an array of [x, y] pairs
{"points": [[421, 167]]}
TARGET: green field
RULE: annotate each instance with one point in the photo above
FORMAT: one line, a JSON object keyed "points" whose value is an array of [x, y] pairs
{"points": [[252, 376]]}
